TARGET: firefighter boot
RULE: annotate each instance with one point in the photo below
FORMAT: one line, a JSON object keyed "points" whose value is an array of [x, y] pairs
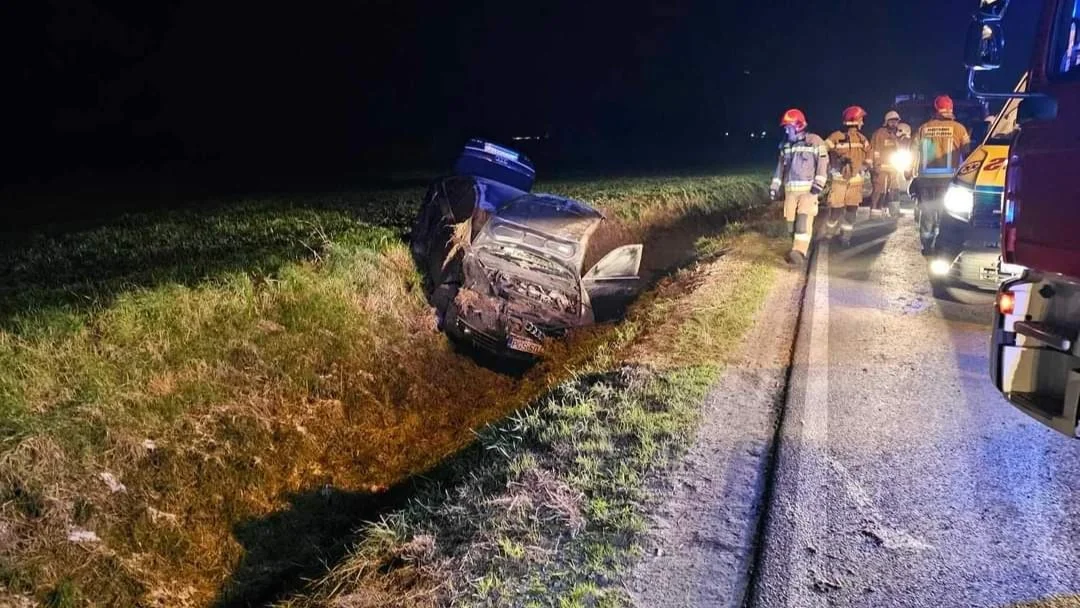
{"points": [[847, 226], [832, 226], [800, 244]]}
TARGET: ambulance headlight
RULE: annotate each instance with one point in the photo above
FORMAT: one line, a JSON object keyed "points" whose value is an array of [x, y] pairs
{"points": [[901, 160], [940, 267], [959, 200]]}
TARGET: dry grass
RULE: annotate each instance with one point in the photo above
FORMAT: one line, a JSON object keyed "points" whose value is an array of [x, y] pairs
{"points": [[207, 420], [547, 509]]}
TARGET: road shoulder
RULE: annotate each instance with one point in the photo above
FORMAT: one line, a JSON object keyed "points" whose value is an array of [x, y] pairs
{"points": [[704, 529]]}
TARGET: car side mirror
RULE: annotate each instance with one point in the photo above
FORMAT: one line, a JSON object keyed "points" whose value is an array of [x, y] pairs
{"points": [[1042, 107], [984, 45]]}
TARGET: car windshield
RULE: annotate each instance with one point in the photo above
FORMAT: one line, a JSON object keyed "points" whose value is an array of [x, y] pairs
{"points": [[552, 215], [523, 258]]}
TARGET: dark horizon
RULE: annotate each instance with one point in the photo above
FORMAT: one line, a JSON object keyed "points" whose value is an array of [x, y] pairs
{"points": [[124, 89]]}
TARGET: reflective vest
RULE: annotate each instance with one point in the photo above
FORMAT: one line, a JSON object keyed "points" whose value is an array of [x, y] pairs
{"points": [[803, 163], [849, 152], [940, 145]]}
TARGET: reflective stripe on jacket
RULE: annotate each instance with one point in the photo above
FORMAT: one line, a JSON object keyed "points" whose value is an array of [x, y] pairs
{"points": [[849, 153], [803, 163], [940, 145], [883, 143]]}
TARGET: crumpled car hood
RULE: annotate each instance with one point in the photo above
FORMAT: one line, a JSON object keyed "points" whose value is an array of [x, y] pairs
{"points": [[556, 227]]}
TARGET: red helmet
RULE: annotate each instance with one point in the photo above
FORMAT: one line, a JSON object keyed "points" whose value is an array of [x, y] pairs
{"points": [[794, 117], [943, 103], [854, 115]]}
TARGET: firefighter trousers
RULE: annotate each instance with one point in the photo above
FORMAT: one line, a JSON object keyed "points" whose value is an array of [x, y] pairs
{"points": [[845, 192], [800, 208], [845, 196], [931, 196], [885, 183]]}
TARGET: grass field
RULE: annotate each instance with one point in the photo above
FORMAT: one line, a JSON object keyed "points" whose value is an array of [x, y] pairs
{"points": [[199, 407]]}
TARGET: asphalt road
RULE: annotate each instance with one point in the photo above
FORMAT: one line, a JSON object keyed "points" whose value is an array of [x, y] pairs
{"points": [[902, 477]]}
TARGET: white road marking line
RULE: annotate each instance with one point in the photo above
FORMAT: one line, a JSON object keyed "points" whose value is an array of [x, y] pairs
{"points": [[810, 522]]}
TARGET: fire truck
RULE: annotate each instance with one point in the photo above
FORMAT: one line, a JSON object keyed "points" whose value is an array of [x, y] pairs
{"points": [[1035, 348]]}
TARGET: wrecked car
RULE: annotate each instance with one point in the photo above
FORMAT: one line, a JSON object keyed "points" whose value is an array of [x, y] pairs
{"points": [[503, 267]]}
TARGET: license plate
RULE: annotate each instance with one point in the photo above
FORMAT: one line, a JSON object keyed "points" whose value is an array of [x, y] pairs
{"points": [[524, 345], [1010, 269]]}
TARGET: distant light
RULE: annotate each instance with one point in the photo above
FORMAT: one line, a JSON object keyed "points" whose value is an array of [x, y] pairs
{"points": [[940, 267], [753, 135], [528, 137], [727, 133], [763, 133], [747, 72]]}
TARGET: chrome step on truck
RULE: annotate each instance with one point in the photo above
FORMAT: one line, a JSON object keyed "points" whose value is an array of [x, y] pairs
{"points": [[1035, 351]]}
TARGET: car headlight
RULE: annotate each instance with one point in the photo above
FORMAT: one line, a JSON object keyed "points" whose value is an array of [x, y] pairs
{"points": [[959, 200], [901, 160]]}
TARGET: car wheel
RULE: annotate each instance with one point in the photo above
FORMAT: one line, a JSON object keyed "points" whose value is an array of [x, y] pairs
{"points": [[939, 287]]}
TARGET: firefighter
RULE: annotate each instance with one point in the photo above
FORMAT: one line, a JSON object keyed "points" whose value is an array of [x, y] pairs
{"points": [[802, 172], [884, 143], [849, 153], [903, 135], [939, 146]]}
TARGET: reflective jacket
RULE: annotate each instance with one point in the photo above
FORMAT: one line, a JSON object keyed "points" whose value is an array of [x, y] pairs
{"points": [[849, 153], [940, 145], [803, 163], [883, 143]]}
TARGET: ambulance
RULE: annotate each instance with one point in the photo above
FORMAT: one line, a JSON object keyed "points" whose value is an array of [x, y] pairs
{"points": [[968, 248]]}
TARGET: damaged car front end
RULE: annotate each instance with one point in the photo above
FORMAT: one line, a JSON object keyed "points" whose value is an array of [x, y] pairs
{"points": [[520, 282], [504, 268]]}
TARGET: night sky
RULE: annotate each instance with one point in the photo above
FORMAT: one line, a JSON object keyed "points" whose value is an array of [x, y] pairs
{"points": [[323, 89]]}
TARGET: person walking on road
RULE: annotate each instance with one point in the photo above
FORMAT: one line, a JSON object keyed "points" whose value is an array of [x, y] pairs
{"points": [[884, 143], [801, 172], [939, 146], [849, 152]]}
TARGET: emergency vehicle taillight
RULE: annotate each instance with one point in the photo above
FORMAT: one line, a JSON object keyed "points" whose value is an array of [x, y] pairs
{"points": [[1010, 204], [1006, 302]]}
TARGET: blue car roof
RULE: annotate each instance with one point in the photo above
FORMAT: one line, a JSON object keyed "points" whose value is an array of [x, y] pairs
{"points": [[491, 161]]}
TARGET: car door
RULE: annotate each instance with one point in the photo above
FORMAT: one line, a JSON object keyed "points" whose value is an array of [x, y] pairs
{"points": [[614, 282]]}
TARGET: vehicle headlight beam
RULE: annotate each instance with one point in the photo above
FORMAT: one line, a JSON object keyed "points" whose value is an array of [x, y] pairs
{"points": [[901, 160], [959, 200], [940, 267]]}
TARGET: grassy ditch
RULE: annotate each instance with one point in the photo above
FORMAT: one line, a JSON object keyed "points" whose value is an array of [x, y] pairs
{"points": [[548, 508], [198, 407]]}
